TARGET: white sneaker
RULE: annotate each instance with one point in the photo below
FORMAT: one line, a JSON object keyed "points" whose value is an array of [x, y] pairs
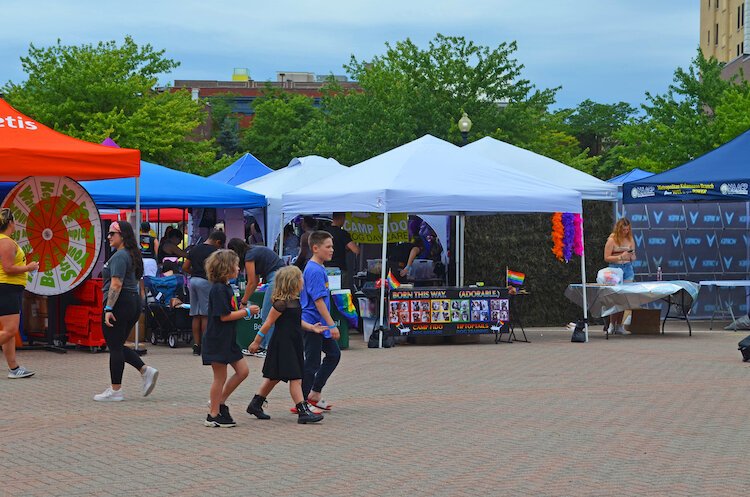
{"points": [[611, 328], [110, 395], [149, 380], [620, 330], [19, 372]]}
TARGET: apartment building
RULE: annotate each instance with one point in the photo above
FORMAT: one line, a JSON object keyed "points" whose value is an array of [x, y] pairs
{"points": [[725, 33]]}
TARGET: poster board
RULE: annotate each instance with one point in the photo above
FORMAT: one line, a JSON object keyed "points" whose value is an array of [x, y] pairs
{"points": [[449, 311], [367, 227]]}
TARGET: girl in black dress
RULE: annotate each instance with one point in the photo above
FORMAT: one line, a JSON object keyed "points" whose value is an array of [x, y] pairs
{"points": [[284, 359], [220, 341]]}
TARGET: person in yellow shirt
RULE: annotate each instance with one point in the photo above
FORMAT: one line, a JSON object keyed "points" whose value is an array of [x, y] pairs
{"points": [[13, 269]]}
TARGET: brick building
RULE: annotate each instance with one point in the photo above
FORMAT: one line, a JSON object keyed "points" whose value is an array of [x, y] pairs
{"points": [[246, 90]]}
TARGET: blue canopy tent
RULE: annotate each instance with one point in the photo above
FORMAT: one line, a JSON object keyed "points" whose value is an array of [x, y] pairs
{"points": [[633, 175], [244, 169], [164, 187], [721, 175]]}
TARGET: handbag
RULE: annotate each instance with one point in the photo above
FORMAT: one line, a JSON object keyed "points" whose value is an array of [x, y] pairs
{"points": [[388, 339], [579, 333]]}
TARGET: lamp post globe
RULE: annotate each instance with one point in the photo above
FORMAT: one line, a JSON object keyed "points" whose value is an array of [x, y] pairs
{"points": [[464, 126]]}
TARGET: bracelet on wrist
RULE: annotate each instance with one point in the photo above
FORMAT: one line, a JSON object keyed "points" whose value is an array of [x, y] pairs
{"points": [[247, 310], [107, 308], [261, 334]]}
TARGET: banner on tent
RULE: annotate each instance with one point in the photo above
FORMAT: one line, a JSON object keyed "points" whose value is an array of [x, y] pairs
{"points": [[449, 311], [689, 191], [368, 227]]}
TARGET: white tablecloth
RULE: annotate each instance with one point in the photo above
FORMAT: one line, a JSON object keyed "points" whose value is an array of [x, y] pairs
{"points": [[604, 300]]}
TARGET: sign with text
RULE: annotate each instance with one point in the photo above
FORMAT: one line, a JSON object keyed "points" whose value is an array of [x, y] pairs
{"points": [[368, 227], [57, 225], [449, 311]]}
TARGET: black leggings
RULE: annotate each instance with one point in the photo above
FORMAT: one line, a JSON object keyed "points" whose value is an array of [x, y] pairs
{"points": [[126, 311]]}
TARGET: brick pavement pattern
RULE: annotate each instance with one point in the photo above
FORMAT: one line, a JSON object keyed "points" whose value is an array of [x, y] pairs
{"points": [[635, 415]]}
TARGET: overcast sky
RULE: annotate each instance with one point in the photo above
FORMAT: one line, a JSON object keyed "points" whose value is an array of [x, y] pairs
{"points": [[606, 50]]}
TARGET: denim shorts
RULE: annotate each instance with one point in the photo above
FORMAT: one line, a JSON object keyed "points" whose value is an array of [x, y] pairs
{"points": [[627, 271]]}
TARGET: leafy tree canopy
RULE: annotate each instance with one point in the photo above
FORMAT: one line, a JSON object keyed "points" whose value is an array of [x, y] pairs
{"points": [[95, 91]]}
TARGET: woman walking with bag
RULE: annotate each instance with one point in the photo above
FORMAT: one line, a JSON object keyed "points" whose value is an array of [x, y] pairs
{"points": [[13, 269], [122, 307]]}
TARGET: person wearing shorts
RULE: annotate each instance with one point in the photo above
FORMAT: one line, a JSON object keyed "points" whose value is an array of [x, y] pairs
{"points": [[13, 269], [200, 287]]}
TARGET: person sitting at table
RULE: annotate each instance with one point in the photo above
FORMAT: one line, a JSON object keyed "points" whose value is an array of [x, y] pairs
{"points": [[401, 257], [619, 252]]}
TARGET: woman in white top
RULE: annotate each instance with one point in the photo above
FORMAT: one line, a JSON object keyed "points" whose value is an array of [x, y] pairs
{"points": [[619, 252]]}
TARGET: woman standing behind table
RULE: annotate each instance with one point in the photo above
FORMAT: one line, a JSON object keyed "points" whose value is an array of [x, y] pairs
{"points": [[619, 252], [13, 269], [122, 307]]}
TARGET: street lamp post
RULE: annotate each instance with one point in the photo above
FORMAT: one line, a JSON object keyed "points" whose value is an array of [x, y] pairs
{"points": [[464, 125]]}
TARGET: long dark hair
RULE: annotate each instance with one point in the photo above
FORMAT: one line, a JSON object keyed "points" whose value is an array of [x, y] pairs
{"points": [[131, 245], [240, 248]]}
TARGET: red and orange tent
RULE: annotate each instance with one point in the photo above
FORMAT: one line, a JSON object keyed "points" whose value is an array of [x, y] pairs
{"points": [[29, 148]]}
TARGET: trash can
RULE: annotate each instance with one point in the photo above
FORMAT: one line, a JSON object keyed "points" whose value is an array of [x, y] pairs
{"points": [[248, 328]]}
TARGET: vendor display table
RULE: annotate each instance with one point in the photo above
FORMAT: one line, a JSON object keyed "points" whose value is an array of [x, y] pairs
{"points": [[604, 300], [248, 328], [724, 306], [449, 311]]}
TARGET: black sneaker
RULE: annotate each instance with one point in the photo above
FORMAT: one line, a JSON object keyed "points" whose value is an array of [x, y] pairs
{"points": [[219, 421], [196, 349], [224, 411]]}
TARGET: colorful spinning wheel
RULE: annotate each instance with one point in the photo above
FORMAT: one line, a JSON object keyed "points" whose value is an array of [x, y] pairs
{"points": [[57, 224]]}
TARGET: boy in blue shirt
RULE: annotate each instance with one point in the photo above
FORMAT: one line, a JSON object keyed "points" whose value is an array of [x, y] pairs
{"points": [[315, 300]]}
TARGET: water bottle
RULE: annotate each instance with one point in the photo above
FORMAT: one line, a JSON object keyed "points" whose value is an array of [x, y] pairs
{"points": [[658, 273]]}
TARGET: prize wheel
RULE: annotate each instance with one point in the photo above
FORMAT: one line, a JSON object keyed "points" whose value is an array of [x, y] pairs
{"points": [[57, 225]]}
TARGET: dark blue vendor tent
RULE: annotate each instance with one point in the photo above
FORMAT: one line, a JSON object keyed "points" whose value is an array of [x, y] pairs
{"points": [[722, 175], [244, 169]]}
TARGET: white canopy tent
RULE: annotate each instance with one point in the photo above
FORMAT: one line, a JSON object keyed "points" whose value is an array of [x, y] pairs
{"points": [[430, 176], [300, 172], [544, 168]]}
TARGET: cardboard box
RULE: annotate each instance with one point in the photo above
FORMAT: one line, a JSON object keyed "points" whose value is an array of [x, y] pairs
{"points": [[645, 322]]}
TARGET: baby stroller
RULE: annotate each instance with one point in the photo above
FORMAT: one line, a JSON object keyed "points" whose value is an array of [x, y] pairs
{"points": [[169, 324]]}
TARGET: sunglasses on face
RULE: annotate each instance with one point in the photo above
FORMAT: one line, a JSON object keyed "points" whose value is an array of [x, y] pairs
{"points": [[112, 233]]}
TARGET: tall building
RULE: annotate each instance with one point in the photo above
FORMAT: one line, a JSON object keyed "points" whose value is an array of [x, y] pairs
{"points": [[725, 33]]}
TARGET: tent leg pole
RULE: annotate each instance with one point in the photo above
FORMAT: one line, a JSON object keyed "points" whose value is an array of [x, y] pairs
{"points": [[583, 283], [455, 254], [383, 283], [463, 245], [281, 236], [137, 229]]}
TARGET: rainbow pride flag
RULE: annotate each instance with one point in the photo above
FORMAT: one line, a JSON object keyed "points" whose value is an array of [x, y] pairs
{"points": [[514, 277], [392, 281], [345, 305]]}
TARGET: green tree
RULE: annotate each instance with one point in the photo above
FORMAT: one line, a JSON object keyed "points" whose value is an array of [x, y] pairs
{"points": [[695, 115], [409, 92], [593, 124], [228, 137], [108, 89], [277, 125]]}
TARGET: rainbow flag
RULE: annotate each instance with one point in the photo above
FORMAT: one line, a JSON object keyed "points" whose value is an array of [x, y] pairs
{"points": [[392, 281], [514, 277], [345, 305]]}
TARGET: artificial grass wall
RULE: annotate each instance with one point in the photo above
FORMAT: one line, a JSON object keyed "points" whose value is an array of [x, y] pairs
{"points": [[523, 242]]}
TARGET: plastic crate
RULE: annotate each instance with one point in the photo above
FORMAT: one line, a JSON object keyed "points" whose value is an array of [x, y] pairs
{"points": [[90, 292], [78, 319]]}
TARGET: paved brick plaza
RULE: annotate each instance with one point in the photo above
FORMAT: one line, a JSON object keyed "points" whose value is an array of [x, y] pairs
{"points": [[663, 415]]}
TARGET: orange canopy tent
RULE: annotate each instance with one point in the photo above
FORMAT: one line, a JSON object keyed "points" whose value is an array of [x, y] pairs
{"points": [[28, 148]]}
